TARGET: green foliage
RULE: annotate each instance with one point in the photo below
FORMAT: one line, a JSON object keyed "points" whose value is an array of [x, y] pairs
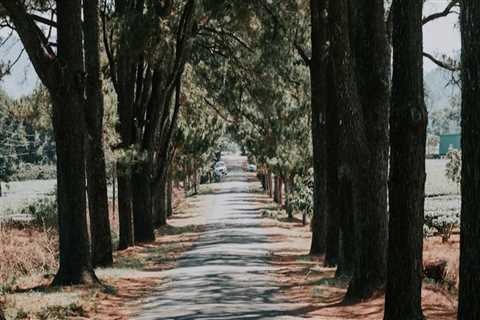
{"points": [[454, 166], [444, 222], [301, 197], [43, 212], [26, 134]]}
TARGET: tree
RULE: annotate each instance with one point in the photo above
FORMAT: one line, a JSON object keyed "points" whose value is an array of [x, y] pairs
{"points": [[408, 122], [361, 92], [96, 168], [62, 72], [319, 100], [469, 300]]}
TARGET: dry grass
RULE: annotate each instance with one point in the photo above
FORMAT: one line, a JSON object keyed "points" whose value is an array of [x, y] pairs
{"points": [[29, 256], [26, 252]]}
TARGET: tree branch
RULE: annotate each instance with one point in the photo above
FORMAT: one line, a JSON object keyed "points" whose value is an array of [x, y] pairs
{"points": [[440, 63], [34, 41], [448, 10]]}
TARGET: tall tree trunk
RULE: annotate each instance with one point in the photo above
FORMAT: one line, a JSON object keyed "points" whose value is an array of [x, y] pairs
{"points": [[125, 207], [96, 172], [69, 127], [469, 299], [160, 205], [363, 85], [170, 194], [333, 200], [142, 204], [408, 124], [346, 256], [319, 97]]}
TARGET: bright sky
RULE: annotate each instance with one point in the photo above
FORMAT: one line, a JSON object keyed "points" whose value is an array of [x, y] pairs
{"points": [[440, 37]]}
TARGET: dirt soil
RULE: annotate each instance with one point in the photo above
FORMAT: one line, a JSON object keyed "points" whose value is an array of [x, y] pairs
{"points": [[305, 281]]}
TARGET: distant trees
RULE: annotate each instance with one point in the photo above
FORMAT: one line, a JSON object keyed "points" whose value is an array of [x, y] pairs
{"points": [[469, 300]]}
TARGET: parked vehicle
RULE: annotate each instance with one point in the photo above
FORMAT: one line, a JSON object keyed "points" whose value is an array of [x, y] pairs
{"points": [[251, 167], [220, 169]]}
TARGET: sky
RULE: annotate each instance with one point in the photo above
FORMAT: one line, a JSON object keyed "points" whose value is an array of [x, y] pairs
{"points": [[441, 36]]}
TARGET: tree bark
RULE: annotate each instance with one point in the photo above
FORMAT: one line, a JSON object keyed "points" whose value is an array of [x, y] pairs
{"points": [[332, 166], [319, 100], [96, 168], [142, 204], [362, 88], [346, 256], [160, 206], [408, 123], [125, 211], [169, 193], [469, 300], [69, 126]]}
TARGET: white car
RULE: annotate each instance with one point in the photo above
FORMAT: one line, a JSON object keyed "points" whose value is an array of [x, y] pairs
{"points": [[251, 167], [220, 168]]}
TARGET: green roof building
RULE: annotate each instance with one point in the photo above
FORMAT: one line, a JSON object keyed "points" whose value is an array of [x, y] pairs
{"points": [[449, 141]]}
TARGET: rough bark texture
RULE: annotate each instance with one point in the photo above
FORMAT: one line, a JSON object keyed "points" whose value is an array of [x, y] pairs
{"points": [[69, 127], [408, 123], [160, 205], [142, 204], [125, 211], [318, 74], [96, 172], [469, 299], [333, 200], [361, 71], [346, 257]]}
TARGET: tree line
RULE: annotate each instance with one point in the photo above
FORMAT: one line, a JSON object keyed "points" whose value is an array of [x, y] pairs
{"points": [[299, 84]]}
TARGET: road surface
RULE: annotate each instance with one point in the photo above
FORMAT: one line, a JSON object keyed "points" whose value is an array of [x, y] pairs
{"points": [[227, 274]]}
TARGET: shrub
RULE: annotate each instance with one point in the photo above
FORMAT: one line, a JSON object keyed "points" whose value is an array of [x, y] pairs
{"points": [[301, 197], [43, 212], [442, 221], [454, 166]]}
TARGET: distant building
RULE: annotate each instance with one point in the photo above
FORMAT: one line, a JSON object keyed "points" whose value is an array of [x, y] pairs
{"points": [[449, 141]]}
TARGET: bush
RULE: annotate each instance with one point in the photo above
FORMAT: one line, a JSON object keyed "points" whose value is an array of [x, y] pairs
{"points": [[43, 212], [28, 171], [454, 166], [443, 222], [301, 197]]}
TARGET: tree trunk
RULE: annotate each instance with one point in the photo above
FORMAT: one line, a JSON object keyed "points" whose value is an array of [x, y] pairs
{"points": [[96, 172], [69, 127], [270, 184], [408, 123], [160, 204], [169, 194], [319, 100], [114, 190], [142, 204], [125, 207], [333, 200], [362, 89], [469, 299], [346, 257], [288, 190]]}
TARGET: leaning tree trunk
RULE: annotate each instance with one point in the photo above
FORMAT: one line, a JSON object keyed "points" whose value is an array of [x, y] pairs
{"points": [[469, 299], [408, 124], [319, 97], [96, 168]]}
